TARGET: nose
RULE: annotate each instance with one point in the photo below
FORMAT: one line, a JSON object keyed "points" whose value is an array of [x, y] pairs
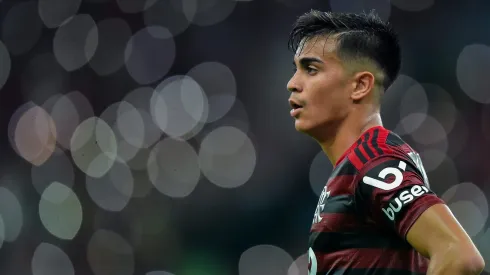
{"points": [[293, 85]]}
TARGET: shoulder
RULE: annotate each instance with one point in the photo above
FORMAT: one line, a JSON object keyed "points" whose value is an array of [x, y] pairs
{"points": [[379, 145]]}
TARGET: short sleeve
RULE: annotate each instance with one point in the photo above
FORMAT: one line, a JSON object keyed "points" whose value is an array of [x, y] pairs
{"points": [[393, 193]]}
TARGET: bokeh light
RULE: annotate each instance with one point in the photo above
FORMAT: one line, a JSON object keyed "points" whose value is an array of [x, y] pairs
{"points": [[227, 157], [265, 259], [153, 137], [75, 42], [21, 28], [54, 13], [49, 259], [60, 211], [473, 61], [149, 54]]}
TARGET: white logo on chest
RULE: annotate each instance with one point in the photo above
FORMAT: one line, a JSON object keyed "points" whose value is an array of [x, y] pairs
{"points": [[321, 205]]}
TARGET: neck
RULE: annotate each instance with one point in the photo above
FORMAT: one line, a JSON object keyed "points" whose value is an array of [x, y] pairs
{"points": [[347, 133]]}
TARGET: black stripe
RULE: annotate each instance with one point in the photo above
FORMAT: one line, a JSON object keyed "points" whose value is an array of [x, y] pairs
{"points": [[371, 271], [341, 204], [395, 140], [360, 155], [359, 141], [326, 242], [368, 150], [374, 142], [366, 147]]}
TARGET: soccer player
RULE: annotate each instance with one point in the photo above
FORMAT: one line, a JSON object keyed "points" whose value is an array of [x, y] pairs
{"points": [[377, 213]]}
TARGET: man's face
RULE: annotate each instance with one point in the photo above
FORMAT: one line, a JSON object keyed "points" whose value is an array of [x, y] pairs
{"points": [[320, 88]]}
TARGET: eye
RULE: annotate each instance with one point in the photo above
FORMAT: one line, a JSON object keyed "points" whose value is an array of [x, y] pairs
{"points": [[311, 70]]}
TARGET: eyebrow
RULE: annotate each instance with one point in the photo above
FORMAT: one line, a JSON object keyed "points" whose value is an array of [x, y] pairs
{"points": [[305, 61]]}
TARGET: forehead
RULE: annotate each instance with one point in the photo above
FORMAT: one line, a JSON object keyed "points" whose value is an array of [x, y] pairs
{"points": [[321, 47]]}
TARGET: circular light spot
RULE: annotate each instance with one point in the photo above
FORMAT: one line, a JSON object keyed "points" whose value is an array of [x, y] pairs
{"points": [[93, 147], [467, 198], [113, 35], [113, 191], [75, 42], [473, 223], [131, 6], [57, 168], [443, 176], [471, 69], [11, 213], [227, 157], [110, 254], [35, 136], [60, 211], [66, 118], [410, 123], [42, 78], [414, 101], [49, 259], [382, 7], [432, 158], [442, 109], [219, 84], [207, 13], [173, 168], [125, 150], [264, 259], [5, 65], [429, 132], [149, 54], [130, 124], [412, 5], [299, 266], [178, 106], [140, 98], [21, 28], [56, 12], [168, 14], [320, 171], [392, 99]]}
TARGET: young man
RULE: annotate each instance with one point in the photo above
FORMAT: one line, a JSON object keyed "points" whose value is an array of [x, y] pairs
{"points": [[376, 214]]}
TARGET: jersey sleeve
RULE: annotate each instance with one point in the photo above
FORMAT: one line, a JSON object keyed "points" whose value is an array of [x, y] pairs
{"points": [[394, 193]]}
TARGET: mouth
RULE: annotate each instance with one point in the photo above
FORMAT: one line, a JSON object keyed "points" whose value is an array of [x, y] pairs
{"points": [[296, 108], [294, 104]]}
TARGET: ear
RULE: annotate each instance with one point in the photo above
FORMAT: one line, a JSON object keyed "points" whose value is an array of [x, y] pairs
{"points": [[363, 83]]}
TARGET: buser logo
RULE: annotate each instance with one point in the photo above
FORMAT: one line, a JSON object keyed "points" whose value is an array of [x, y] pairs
{"points": [[404, 198]]}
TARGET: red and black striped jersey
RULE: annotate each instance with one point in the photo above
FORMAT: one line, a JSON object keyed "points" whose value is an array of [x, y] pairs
{"points": [[375, 193]]}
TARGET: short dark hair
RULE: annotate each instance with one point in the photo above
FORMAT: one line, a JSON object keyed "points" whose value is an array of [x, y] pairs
{"points": [[362, 35]]}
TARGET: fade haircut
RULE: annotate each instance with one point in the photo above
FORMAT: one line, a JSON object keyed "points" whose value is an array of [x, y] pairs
{"points": [[358, 37]]}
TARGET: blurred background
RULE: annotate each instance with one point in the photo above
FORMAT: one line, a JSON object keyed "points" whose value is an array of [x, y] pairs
{"points": [[153, 137]]}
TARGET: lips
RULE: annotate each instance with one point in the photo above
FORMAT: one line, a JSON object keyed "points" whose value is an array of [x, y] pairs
{"points": [[295, 104], [296, 107]]}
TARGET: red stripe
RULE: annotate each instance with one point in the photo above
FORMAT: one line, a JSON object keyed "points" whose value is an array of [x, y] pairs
{"points": [[382, 137], [372, 258], [355, 161]]}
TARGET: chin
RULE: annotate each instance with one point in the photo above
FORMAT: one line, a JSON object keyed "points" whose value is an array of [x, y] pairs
{"points": [[302, 126]]}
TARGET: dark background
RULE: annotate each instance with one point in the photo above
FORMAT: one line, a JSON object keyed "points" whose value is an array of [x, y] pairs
{"points": [[154, 137]]}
